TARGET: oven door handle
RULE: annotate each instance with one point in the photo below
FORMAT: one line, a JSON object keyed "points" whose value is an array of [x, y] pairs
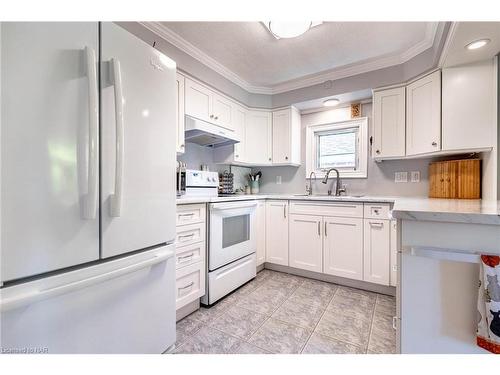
{"points": [[232, 205]]}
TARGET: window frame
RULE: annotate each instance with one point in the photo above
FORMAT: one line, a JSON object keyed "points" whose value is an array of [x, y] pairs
{"points": [[312, 150]]}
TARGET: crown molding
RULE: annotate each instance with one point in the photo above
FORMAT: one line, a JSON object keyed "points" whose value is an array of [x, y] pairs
{"points": [[447, 43], [338, 73]]}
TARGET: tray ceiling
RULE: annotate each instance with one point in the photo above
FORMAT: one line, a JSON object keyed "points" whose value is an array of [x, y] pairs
{"points": [[247, 54]]}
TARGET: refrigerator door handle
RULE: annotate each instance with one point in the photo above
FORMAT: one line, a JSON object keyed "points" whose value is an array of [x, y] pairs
{"points": [[116, 198], [37, 295], [90, 200]]}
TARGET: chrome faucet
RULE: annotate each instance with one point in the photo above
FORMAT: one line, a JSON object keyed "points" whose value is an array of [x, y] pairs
{"points": [[309, 190], [338, 190]]}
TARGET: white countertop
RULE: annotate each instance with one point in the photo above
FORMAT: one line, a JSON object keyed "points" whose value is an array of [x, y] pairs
{"points": [[423, 209]]}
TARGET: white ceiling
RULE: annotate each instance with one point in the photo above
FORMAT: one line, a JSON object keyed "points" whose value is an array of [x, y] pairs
{"points": [[461, 34], [250, 56]]}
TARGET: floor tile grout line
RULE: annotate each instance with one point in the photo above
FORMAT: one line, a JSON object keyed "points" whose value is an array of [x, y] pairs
{"points": [[371, 326], [334, 338], [316, 325]]}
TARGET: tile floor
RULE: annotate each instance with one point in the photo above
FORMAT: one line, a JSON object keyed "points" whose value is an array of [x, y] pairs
{"points": [[282, 313]]}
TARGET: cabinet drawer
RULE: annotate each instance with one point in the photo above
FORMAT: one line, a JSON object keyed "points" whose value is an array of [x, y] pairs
{"points": [[189, 284], [187, 255], [343, 209], [190, 214], [190, 234], [377, 211]]}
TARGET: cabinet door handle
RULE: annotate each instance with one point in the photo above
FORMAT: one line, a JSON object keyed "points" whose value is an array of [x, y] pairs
{"points": [[216, 117], [319, 228], [326, 234], [211, 116], [269, 159], [394, 322], [286, 157], [377, 152], [434, 144], [284, 211]]}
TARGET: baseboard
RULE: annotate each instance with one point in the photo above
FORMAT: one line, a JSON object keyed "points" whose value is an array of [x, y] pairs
{"points": [[358, 284], [184, 311], [260, 267]]}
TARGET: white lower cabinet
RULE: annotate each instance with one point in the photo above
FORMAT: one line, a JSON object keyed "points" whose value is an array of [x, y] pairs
{"points": [[343, 247], [376, 251], [190, 253], [306, 242], [277, 232], [261, 232], [394, 253]]}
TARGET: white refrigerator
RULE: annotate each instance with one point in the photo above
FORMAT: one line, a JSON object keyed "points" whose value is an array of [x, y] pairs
{"points": [[87, 190]]}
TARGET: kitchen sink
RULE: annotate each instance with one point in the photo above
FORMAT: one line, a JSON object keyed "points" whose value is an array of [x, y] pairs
{"points": [[328, 196]]}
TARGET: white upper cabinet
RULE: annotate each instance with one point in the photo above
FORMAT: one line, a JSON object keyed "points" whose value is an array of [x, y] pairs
{"points": [[258, 138], [205, 104], [198, 102], [180, 114], [389, 136], [222, 111], [469, 96], [286, 137], [423, 115], [239, 120]]}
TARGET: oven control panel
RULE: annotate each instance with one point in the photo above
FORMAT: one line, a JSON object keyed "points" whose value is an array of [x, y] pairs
{"points": [[195, 178]]}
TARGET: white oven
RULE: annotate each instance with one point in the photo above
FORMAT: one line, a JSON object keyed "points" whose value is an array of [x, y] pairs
{"points": [[231, 248], [232, 232]]}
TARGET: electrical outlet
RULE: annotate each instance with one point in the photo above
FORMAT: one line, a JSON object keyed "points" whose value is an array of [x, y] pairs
{"points": [[278, 180], [415, 176], [400, 177]]}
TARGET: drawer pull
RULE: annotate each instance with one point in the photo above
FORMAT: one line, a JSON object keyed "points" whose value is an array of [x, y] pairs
{"points": [[376, 211], [188, 257], [188, 215], [394, 322], [186, 286], [186, 236], [377, 225]]}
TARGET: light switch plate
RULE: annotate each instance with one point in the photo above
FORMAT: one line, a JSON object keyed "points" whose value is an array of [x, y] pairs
{"points": [[415, 176], [400, 177], [278, 180]]}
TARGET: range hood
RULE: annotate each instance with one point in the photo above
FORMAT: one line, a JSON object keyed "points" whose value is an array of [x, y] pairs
{"points": [[207, 134]]}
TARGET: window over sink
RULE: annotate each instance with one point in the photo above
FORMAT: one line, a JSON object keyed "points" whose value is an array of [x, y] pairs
{"points": [[341, 145]]}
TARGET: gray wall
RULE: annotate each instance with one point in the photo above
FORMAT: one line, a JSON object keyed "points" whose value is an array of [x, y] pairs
{"points": [[380, 179]]}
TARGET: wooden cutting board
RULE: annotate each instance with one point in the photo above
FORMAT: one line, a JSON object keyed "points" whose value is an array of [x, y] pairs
{"points": [[455, 179]]}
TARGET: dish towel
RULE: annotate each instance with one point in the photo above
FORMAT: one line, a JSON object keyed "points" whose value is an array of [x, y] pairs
{"points": [[488, 304]]}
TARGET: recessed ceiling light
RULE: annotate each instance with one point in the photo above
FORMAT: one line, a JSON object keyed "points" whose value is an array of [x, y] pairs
{"points": [[283, 30], [331, 102], [477, 44]]}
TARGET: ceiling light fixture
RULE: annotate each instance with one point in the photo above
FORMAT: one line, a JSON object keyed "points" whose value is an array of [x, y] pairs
{"points": [[331, 102], [284, 30], [477, 44]]}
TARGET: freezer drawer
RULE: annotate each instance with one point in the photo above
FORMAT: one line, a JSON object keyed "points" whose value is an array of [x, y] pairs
{"points": [[122, 306]]}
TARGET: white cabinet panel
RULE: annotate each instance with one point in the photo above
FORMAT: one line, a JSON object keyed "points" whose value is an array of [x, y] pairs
{"points": [[189, 284], [147, 213], [286, 137], [239, 123], [258, 138], [389, 137], [45, 145], [222, 111], [198, 102], [394, 253], [261, 232], [343, 247], [469, 106], [423, 115], [306, 242], [277, 232], [376, 251], [180, 113]]}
